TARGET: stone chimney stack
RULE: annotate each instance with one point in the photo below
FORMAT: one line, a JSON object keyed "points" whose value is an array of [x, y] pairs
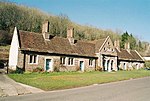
{"points": [[117, 44], [45, 30], [70, 34], [127, 46], [45, 27]]}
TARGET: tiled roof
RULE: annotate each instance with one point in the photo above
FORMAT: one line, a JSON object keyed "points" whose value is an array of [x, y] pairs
{"points": [[124, 54], [35, 42], [98, 44]]}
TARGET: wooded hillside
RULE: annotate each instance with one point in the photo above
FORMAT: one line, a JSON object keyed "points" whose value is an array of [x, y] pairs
{"points": [[31, 19]]}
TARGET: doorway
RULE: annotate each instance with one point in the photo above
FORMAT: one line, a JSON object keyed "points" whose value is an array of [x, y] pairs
{"points": [[81, 65], [48, 65]]}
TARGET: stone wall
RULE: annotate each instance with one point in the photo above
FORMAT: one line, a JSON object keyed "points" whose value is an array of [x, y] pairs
{"points": [[124, 65], [56, 66]]}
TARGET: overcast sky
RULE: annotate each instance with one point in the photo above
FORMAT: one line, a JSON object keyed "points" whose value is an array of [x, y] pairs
{"points": [[125, 15]]}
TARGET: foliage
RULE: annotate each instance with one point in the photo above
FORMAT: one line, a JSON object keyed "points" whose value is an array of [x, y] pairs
{"points": [[147, 64], [31, 19], [125, 37], [63, 80], [38, 69], [56, 68], [5, 38], [17, 71]]}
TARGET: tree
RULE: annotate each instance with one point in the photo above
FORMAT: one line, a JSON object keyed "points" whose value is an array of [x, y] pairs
{"points": [[125, 37], [132, 41]]}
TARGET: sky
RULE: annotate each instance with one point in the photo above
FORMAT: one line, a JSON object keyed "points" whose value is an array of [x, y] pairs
{"points": [[132, 16]]}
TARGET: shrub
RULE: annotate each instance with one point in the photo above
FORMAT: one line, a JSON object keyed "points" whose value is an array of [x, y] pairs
{"points": [[38, 69], [56, 69], [98, 68], [17, 71]]}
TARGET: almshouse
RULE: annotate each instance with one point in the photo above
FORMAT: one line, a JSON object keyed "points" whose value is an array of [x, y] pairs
{"points": [[31, 50]]}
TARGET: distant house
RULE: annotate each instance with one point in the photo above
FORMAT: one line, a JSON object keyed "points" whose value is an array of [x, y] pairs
{"points": [[31, 50], [146, 56]]}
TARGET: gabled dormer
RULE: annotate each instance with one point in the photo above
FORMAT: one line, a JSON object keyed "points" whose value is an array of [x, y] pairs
{"points": [[107, 47]]}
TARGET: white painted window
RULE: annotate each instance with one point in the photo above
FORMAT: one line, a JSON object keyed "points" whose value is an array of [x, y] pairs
{"points": [[63, 60], [90, 62], [33, 59], [70, 61]]}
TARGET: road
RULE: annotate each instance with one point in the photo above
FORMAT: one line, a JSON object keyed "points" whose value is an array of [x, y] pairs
{"points": [[129, 90]]}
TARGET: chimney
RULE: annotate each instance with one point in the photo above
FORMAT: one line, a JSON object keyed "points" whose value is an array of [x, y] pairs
{"points": [[127, 46], [70, 34], [45, 27], [45, 30], [117, 44]]}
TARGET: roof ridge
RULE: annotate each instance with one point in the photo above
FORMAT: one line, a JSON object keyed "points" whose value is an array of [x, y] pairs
{"points": [[29, 32]]}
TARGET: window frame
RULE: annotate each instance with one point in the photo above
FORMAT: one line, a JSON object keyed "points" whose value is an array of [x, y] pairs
{"points": [[70, 61], [91, 62], [33, 59], [63, 60]]}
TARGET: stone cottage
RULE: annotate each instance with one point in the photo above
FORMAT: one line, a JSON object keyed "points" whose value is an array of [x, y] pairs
{"points": [[128, 59], [31, 50]]}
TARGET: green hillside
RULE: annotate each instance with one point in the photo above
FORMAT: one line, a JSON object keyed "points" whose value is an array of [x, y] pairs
{"points": [[31, 19]]}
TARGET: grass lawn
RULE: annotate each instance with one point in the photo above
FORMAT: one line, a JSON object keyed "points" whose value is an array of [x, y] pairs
{"points": [[64, 80]]}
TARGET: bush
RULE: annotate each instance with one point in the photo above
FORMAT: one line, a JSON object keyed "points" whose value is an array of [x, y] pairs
{"points": [[1, 65], [98, 68], [17, 71], [38, 69], [56, 69], [147, 64]]}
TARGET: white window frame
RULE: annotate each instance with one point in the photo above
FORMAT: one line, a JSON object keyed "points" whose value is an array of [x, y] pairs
{"points": [[33, 59], [70, 61], [63, 60], [91, 62]]}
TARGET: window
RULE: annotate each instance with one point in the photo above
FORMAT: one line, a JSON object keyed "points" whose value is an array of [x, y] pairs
{"points": [[90, 62], [104, 48], [33, 59], [62, 60], [112, 50], [70, 61]]}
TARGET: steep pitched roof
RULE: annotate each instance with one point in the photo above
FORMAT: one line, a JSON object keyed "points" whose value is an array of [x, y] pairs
{"points": [[35, 42], [124, 54], [98, 44]]}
